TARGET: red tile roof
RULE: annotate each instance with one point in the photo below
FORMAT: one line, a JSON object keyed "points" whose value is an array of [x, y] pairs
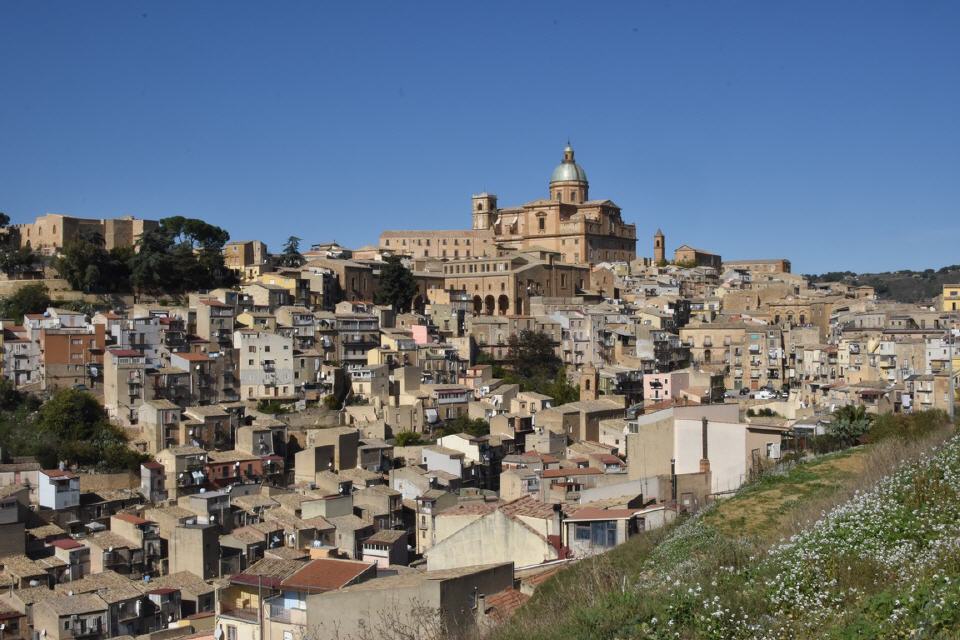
{"points": [[66, 543], [126, 353], [326, 574], [58, 473], [563, 473], [500, 606], [592, 513], [193, 357], [129, 517]]}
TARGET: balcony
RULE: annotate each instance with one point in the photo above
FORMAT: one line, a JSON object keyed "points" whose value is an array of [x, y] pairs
{"points": [[285, 615], [244, 614]]}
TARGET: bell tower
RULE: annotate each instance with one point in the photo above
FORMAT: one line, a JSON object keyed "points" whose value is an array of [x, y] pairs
{"points": [[484, 210], [589, 379], [659, 248]]}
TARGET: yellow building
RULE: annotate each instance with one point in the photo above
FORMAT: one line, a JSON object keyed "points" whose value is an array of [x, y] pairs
{"points": [[951, 297]]}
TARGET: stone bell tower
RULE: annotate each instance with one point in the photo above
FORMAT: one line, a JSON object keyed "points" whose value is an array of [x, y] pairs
{"points": [[484, 210], [659, 247]]}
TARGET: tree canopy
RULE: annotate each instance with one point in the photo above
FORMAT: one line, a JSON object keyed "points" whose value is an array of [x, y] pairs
{"points": [[397, 285], [32, 298], [182, 254], [71, 427], [90, 268], [291, 256], [14, 260], [533, 364]]}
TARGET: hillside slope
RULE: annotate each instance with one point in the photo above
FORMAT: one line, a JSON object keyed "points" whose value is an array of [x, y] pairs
{"points": [[860, 544]]}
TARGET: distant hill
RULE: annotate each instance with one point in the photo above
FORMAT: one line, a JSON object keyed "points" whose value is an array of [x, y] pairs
{"points": [[902, 286]]}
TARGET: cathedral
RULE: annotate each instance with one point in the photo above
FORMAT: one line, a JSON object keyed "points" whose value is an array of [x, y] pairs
{"points": [[567, 222]]}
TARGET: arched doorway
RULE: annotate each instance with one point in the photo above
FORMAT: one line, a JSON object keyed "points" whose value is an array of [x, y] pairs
{"points": [[489, 305], [503, 305], [477, 305]]}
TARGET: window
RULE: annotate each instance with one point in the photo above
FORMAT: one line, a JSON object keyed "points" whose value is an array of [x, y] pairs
{"points": [[541, 223], [582, 532], [231, 632], [251, 349], [603, 534], [266, 349], [250, 362]]}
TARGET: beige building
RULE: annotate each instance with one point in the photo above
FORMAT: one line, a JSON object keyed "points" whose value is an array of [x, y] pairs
{"points": [[503, 284], [776, 265], [49, 233], [249, 258], [581, 230], [266, 365], [689, 256]]}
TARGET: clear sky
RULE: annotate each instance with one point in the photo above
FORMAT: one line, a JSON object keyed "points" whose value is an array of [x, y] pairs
{"points": [[825, 132]]}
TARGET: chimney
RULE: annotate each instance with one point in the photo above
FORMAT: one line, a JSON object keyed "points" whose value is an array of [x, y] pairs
{"points": [[705, 454]]}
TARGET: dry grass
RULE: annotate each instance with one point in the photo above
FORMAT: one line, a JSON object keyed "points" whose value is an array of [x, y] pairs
{"points": [[780, 506]]}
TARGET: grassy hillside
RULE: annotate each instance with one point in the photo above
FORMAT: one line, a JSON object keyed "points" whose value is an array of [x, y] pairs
{"points": [[860, 544]]}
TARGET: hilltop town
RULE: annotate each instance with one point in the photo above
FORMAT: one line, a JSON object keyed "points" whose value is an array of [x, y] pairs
{"points": [[204, 438]]}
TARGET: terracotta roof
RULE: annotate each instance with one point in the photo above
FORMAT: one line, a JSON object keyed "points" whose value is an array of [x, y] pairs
{"points": [[563, 473], [500, 606], [326, 574], [66, 543], [386, 536], [126, 353], [530, 507], [192, 357], [592, 513], [132, 519], [58, 473], [473, 507]]}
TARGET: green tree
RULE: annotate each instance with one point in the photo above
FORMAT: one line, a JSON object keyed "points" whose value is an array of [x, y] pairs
{"points": [[531, 355], [33, 298], [72, 426], [397, 285], [462, 424], [181, 254], [14, 260], [407, 439], [291, 256], [89, 267], [850, 423]]}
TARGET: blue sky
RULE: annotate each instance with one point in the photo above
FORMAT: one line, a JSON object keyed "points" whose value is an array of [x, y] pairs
{"points": [[825, 132]]}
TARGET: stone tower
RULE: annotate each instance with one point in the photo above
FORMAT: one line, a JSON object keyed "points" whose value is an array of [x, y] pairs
{"points": [[589, 380], [659, 247], [484, 210]]}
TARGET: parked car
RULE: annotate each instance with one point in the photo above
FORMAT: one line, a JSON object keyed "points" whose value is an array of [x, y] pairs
{"points": [[744, 391], [764, 394]]}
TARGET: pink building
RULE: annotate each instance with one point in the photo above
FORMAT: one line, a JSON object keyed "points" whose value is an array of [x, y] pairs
{"points": [[663, 387]]}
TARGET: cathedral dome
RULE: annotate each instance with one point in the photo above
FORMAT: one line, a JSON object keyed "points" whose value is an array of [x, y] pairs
{"points": [[568, 170]]}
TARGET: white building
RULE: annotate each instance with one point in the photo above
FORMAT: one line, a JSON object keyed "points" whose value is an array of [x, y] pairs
{"points": [[59, 489], [266, 365]]}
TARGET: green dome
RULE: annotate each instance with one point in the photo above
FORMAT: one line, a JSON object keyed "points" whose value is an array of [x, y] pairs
{"points": [[568, 170]]}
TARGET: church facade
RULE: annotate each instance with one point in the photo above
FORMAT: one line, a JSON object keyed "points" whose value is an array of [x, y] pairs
{"points": [[567, 222]]}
